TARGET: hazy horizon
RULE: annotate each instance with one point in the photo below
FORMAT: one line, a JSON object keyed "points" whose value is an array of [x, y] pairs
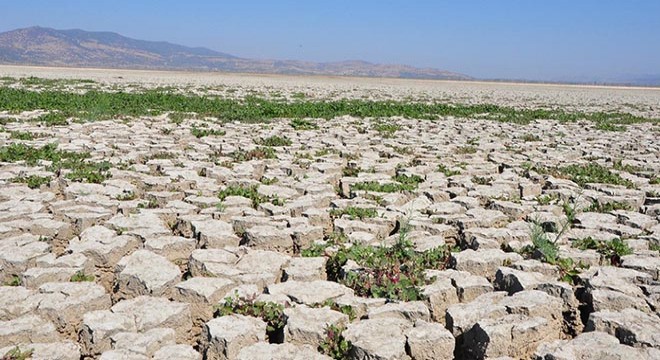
{"points": [[591, 41]]}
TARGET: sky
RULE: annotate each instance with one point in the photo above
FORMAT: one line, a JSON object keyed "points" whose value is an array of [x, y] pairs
{"points": [[558, 40]]}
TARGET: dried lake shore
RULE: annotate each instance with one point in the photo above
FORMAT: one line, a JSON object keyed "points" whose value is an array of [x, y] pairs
{"points": [[162, 215]]}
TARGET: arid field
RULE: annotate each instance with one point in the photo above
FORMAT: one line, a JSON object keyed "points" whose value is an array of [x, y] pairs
{"points": [[175, 215]]}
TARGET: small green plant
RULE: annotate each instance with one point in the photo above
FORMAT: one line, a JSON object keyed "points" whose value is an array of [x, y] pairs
{"points": [[548, 251], [127, 196], [14, 281], [473, 141], [482, 180], [448, 172], [90, 172], [351, 171], [200, 133], [17, 354], [593, 173], [261, 152], [546, 199], [161, 155], [270, 312], [274, 141], [611, 250], [354, 213], [314, 250], [53, 119], [655, 180], [347, 310], [403, 150], [151, 204], [530, 138], [32, 181], [324, 152], [251, 193], [268, 181], [384, 188], [81, 277], [277, 201], [386, 130], [334, 344], [468, 149], [410, 181], [609, 126], [26, 135], [654, 247], [607, 207], [303, 124], [395, 272], [617, 164], [178, 117]]}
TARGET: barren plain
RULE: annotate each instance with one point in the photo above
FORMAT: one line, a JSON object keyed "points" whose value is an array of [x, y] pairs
{"points": [[174, 215]]}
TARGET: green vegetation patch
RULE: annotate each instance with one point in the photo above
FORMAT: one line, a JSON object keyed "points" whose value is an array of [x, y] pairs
{"points": [[81, 169], [354, 213], [396, 272], [81, 277], [447, 171], [26, 135], [467, 149], [582, 174], [593, 173], [274, 141], [94, 105], [32, 181], [303, 124], [611, 250], [200, 133], [261, 152], [375, 186], [270, 312], [386, 130], [334, 344], [17, 354], [609, 206], [249, 192]]}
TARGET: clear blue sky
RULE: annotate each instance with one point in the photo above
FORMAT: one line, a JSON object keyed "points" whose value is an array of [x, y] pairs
{"points": [[535, 39]]}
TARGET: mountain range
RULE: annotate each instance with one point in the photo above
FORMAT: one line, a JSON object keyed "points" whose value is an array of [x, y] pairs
{"points": [[79, 48]]}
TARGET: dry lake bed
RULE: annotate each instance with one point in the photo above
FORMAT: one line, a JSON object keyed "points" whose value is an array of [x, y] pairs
{"points": [[174, 215]]}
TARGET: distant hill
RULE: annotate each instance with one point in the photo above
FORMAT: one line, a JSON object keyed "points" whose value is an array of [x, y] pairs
{"points": [[79, 48]]}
